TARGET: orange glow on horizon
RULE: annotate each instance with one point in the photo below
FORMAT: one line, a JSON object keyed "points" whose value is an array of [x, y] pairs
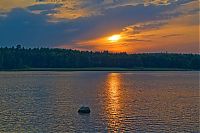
{"points": [[166, 38]]}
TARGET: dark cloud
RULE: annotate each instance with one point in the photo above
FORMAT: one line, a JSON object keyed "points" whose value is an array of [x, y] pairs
{"points": [[44, 7], [138, 40], [172, 35], [147, 26], [28, 29]]}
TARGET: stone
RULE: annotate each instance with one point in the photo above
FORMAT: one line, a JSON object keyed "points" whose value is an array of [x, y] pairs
{"points": [[84, 110]]}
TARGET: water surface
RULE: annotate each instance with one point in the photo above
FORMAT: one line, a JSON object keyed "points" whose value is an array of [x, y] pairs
{"points": [[119, 101]]}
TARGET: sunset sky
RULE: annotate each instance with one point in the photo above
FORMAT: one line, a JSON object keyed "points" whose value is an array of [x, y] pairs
{"points": [[133, 26]]}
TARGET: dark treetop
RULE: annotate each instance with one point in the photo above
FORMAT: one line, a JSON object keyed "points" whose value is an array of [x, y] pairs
{"points": [[21, 58]]}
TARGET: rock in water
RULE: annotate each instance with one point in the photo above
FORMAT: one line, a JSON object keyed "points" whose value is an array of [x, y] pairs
{"points": [[85, 110]]}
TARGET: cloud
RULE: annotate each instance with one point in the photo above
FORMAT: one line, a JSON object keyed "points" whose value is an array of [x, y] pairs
{"points": [[159, 2], [46, 7], [141, 27], [172, 35], [28, 29], [8, 5]]}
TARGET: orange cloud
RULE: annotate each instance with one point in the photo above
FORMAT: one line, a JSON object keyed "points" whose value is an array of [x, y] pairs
{"points": [[7, 5]]}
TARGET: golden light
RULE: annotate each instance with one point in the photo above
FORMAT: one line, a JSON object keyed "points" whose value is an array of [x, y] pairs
{"points": [[114, 100], [114, 38]]}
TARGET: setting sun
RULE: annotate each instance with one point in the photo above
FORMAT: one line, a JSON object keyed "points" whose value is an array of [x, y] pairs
{"points": [[114, 38]]}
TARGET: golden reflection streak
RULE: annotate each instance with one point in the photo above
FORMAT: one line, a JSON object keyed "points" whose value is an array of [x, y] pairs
{"points": [[113, 101]]}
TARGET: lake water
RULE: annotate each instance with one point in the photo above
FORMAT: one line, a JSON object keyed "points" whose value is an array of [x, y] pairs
{"points": [[46, 102]]}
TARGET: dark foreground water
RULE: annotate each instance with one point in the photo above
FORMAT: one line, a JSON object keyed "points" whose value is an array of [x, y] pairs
{"points": [[45, 102]]}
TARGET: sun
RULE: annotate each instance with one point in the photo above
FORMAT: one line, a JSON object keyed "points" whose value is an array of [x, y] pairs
{"points": [[114, 38]]}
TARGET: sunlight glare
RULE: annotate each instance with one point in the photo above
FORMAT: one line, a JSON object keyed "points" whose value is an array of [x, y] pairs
{"points": [[114, 38]]}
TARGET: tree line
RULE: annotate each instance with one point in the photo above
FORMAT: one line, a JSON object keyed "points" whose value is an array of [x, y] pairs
{"points": [[19, 58]]}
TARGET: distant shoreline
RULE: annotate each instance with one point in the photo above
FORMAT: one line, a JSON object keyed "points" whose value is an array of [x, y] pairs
{"points": [[46, 59], [99, 69]]}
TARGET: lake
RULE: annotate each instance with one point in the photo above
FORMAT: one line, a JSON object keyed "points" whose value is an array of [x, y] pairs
{"points": [[46, 102]]}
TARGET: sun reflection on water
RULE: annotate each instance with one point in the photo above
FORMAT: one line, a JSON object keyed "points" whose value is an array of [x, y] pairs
{"points": [[114, 101]]}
